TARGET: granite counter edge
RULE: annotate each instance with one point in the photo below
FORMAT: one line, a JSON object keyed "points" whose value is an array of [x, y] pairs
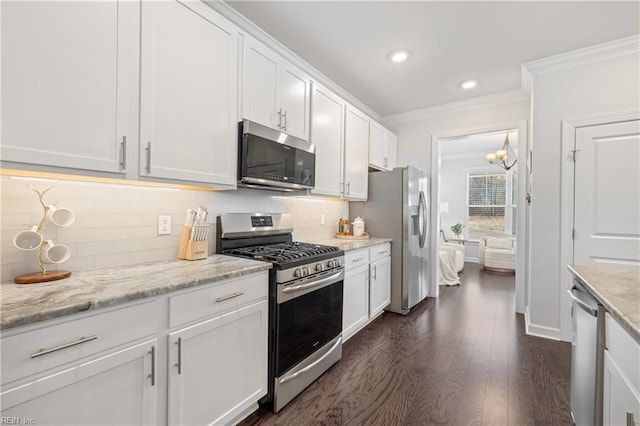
{"points": [[99, 303]]}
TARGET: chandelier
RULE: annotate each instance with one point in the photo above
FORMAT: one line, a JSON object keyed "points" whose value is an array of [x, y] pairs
{"points": [[501, 157]]}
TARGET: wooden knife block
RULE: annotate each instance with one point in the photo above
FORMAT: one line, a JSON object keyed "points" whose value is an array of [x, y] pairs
{"points": [[189, 249]]}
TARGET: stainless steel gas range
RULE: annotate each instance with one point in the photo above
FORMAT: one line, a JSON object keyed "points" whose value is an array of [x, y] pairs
{"points": [[305, 299]]}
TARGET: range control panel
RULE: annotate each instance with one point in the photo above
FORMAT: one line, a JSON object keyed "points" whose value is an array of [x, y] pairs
{"points": [[261, 221]]}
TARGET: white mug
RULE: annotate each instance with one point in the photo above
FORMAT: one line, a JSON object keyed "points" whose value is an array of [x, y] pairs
{"points": [[61, 217], [28, 240], [55, 253]]}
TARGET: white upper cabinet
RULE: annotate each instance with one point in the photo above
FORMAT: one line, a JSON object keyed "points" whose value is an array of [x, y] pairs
{"points": [[275, 93], [377, 145], [327, 134], [382, 147], [68, 83], [392, 150], [188, 94], [356, 155]]}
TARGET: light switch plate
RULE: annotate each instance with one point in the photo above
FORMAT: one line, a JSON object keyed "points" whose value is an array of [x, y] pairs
{"points": [[164, 225], [322, 219]]}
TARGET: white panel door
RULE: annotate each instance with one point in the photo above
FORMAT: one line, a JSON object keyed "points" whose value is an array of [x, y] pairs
{"points": [[261, 84], [115, 389], [218, 368], [189, 93], [356, 155], [295, 102], [327, 134], [68, 83], [607, 195]]}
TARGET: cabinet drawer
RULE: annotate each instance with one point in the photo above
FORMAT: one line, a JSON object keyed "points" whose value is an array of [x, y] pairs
{"points": [[204, 302], [623, 349], [54, 343], [356, 259], [379, 251]]}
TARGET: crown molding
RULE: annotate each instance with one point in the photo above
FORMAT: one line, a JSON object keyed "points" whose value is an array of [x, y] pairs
{"points": [[510, 96], [599, 52], [248, 27]]}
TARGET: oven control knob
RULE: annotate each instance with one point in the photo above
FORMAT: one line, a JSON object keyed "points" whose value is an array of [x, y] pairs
{"points": [[330, 264], [305, 271], [297, 273], [319, 267], [337, 262]]}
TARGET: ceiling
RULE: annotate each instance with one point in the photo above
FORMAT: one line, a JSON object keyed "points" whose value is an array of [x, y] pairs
{"points": [[480, 144], [450, 42]]}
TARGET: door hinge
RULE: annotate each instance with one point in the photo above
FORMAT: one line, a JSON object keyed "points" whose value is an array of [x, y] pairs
{"points": [[573, 155], [573, 234]]}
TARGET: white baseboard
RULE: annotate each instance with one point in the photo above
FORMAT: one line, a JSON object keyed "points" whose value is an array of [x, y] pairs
{"points": [[539, 330], [471, 259]]}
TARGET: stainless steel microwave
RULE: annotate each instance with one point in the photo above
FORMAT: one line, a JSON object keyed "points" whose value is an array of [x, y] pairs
{"points": [[269, 159]]}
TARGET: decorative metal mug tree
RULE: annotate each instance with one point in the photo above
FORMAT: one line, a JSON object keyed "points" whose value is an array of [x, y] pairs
{"points": [[48, 252]]}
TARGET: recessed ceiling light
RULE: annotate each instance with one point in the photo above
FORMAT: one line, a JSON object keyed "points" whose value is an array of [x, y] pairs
{"points": [[470, 84], [399, 56]]}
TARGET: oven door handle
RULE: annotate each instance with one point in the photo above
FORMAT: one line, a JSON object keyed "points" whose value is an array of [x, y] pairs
{"points": [[321, 282], [313, 364]]}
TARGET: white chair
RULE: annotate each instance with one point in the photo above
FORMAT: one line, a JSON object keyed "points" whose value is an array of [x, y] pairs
{"points": [[497, 254], [458, 251]]}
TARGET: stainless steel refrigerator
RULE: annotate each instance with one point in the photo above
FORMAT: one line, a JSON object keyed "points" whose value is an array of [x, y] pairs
{"points": [[397, 208]]}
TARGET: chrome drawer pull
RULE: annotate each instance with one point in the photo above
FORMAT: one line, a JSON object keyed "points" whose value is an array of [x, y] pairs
{"points": [[382, 252], [63, 346], [152, 375], [358, 259], [231, 296], [179, 363]]}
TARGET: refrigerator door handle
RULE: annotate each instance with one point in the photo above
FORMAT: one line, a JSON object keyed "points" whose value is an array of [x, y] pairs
{"points": [[422, 219]]}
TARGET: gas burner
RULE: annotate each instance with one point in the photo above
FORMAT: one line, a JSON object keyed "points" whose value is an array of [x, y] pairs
{"points": [[283, 253]]}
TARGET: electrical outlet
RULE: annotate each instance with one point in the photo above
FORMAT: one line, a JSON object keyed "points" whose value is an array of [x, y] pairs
{"points": [[164, 225], [321, 219]]}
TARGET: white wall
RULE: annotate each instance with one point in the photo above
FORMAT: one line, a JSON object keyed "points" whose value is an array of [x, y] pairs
{"points": [[117, 224], [599, 87]]}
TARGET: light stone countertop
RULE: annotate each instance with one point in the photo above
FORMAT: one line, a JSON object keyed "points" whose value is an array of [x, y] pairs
{"points": [[22, 304], [619, 292], [348, 245]]}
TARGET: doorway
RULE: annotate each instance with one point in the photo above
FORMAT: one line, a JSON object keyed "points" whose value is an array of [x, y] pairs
{"points": [[466, 150]]}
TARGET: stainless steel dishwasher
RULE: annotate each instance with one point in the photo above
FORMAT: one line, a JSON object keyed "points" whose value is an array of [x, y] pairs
{"points": [[587, 350]]}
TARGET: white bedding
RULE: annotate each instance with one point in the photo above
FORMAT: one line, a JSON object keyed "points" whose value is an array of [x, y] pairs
{"points": [[448, 274]]}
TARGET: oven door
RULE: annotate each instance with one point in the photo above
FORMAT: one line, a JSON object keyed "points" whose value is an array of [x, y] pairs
{"points": [[308, 316]]}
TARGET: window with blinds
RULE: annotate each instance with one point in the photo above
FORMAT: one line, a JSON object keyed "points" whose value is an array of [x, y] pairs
{"points": [[491, 205]]}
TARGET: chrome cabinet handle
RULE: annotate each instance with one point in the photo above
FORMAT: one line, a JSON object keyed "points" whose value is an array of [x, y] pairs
{"points": [[375, 272], [152, 375], [148, 158], [313, 364], [630, 420], [179, 363], [123, 153], [63, 346], [284, 117], [386, 162], [312, 284], [382, 252], [279, 118], [359, 259], [230, 296], [348, 188]]}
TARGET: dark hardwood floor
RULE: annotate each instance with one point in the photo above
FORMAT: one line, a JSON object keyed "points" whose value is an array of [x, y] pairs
{"points": [[457, 360]]}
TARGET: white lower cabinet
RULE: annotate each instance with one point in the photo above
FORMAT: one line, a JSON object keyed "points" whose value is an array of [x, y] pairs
{"points": [[83, 371], [621, 404], [218, 367], [197, 356], [355, 303], [367, 287], [379, 278]]}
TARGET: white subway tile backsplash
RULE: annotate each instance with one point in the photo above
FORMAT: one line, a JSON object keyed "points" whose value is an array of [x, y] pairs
{"points": [[117, 224]]}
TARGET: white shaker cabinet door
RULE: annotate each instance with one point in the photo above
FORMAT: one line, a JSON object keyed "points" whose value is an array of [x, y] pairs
{"points": [[355, 311], [392, 151], [377, 145], [189, 93], [621, 400], [68, 87], [261, 84], [380, 289], [356, 155], [295, 101], [218, 367], [327, 134], [118, 389]]}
